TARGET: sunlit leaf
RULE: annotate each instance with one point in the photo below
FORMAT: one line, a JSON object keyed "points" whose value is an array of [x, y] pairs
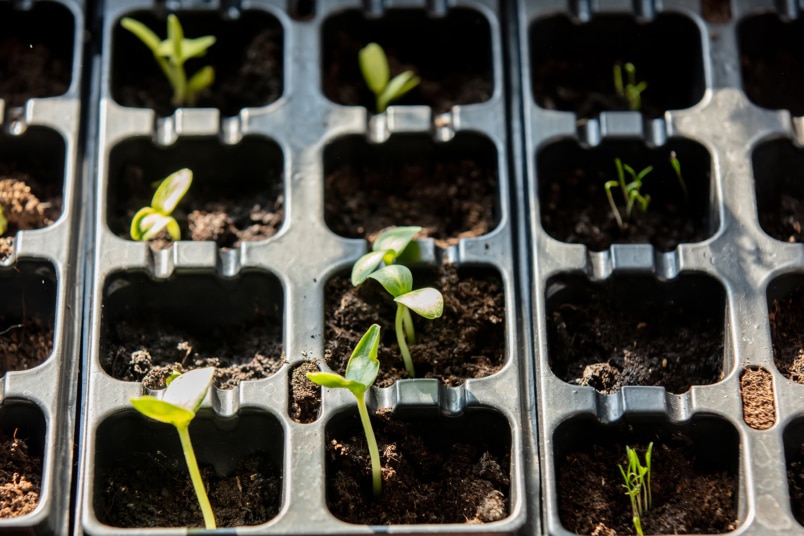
{"points": [[365, 265], [363, 364], [188, 390], [426, 302], [374, 66], [396, 239], [396, 279], [171, 191], [144, 33], [162, 411], [396, 89]]}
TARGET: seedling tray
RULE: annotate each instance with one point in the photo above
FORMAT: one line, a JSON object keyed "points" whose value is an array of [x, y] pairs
{"points": [[283, 143], [40, 273], [735, 275]]}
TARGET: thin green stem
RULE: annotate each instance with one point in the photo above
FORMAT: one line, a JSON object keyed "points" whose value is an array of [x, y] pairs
{"points": [[374, 452], [400, 339], [407, 322], [180, 83], [195, 476]]}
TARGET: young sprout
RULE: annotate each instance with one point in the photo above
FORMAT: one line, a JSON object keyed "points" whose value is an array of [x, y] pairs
{"points": [[397, 280], [637, 484], [630, 90], [630, 190], [3, 222], [178, 407], [361, 371], [172, 53], [149, 221], [374, 66], [677, 168]]}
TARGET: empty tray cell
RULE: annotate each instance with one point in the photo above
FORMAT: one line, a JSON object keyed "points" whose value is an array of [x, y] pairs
{"points": [[150, 327], [451, 189], [575, 206], [573, 63], [772, 61], [237, 192], [246, 58], [22, 442], [140, 478], [636, 330], [467, 341], [786, 314], [451, 54], [31, 181], [778, 166], [27, 316], [694, 480], [436, 469], [794, 456], [36, 51]]}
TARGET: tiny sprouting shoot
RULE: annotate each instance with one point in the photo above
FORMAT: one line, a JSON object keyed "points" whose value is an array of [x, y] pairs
{"points": [[376, 73], [629, 88], [630, 190], [148, 222], [636, 477]]}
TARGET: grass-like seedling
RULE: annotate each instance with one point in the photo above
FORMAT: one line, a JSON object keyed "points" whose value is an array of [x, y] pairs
{"points": [[361, 371], [629, 88], [676, 164], [172, 53], [630, 190], [397, 280], [374, 66], [178, 407], [149, 221], [636, 477]]}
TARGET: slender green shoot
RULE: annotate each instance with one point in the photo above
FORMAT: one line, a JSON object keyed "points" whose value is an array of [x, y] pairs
{"points": [[629, 89], [172, 53], [361, 371], [376, 73], [3, 222], [178, 407], [149, 221], [636, 477], [630, 191], [676, 164], [397, 280]]}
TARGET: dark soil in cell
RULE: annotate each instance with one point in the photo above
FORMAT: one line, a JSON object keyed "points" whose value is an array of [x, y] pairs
{"points": [[784, 222], [20, 478], [759, 407], [468, 341], [450, 198], [30, 70], [689, 496], [427, 477], [247, 58], [788, 339], [26, 204], [154, 491], [597, 339], [795, 478], [305, 396], [147, 350], [451, 55], [716, 11], [772, 62], [24, 344]]}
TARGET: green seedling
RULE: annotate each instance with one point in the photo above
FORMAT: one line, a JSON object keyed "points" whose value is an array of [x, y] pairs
{"points": [[149, 221], [374, 66], [397, 280], [631, 191], [361, 371], [3, 222], [636, 479], [172, 53], [629, 89], [178, 407], [676, 164]]}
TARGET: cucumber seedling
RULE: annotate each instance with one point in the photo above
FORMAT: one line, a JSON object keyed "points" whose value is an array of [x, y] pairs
{"points": [[149, 221], [361, 371], [376, 73], [629, 89], [630, 190], [178, 407], [636, 477], [172, 53], [397, 280]]}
